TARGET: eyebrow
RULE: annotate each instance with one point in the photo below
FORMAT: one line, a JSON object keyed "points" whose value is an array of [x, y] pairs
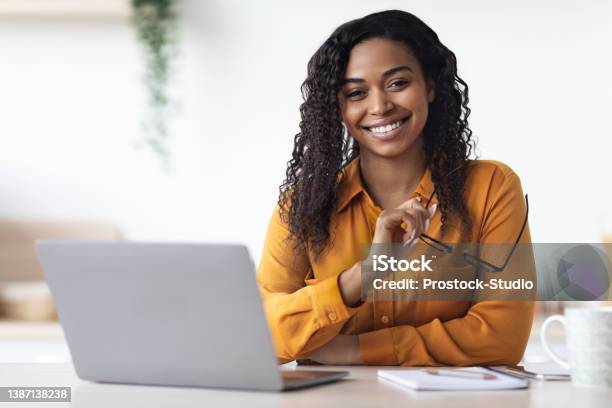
{"points": [[385, 74]]}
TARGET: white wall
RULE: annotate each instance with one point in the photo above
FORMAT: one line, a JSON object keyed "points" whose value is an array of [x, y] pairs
{"points": [[71, 98]]}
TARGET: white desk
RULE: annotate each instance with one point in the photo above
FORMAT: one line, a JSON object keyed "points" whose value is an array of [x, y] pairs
{"points": [[362, 389]]}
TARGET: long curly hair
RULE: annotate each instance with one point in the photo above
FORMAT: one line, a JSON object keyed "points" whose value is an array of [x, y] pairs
{"points": [[323, 147]]}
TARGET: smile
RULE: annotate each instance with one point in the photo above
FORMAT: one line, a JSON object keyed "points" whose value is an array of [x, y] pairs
{"points": [[387, 132]]}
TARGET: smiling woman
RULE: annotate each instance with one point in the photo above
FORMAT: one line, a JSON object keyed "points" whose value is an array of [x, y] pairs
{"points": [[384, 128]]}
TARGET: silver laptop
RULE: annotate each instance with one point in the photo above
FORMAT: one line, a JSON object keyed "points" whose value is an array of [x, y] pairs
{"points": [[166, 314]]}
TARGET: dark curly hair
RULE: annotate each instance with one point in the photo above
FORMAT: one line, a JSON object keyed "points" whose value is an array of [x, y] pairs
{"points": [[323, 147]]}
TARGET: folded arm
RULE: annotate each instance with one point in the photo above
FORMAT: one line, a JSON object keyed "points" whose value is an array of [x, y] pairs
{"points": [[303, 314]]}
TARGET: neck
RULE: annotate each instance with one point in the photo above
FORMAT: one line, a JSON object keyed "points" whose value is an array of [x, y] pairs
{"points": [[390, 181]]}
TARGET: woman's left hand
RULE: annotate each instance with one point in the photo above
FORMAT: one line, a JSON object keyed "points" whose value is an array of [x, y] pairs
{"points": [[342, 350]]}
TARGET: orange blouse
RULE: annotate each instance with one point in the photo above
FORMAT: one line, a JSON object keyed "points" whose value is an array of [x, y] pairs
{"points": [[305, 310]]}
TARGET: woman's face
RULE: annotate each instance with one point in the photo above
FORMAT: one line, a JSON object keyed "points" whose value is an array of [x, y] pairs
{"points": [[384, 100]]}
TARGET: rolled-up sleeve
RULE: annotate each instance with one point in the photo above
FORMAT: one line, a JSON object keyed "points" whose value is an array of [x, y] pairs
{"points": [[303, 314], [492, 331]]}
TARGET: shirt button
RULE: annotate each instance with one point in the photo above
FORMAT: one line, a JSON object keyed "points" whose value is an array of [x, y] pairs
{"points": [[332, 316], [384, 319]]}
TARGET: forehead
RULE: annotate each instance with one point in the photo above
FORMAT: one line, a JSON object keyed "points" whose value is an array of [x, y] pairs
{"points": [[375, 56]]}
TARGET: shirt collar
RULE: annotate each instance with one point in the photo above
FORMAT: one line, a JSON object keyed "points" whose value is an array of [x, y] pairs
{"points": [[351, 185]]}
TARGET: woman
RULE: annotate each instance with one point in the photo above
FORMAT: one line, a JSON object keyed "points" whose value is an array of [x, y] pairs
{"points": [[384, 128]]}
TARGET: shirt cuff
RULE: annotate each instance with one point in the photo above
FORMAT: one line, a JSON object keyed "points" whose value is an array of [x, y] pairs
{"points": [[328, 303], [377, 348]]}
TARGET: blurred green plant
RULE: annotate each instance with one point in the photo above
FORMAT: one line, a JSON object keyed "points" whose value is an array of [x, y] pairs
{"points": [[155, 22]]}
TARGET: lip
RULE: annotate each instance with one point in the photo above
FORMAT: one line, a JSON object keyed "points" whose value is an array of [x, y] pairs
{"points": [[388, 135], [386, 122]]}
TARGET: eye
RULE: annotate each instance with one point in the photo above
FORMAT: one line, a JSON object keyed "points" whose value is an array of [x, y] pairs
{"points": [[399, 83], [354, 94]]}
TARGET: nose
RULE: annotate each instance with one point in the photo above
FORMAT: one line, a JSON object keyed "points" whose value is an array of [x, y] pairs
{"points": [[379, 103]]}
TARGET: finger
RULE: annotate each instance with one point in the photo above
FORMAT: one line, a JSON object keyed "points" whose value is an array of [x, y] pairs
{"points": [[409, 221], [422, 212], [422, 215], [422, 218], [409, 239], [408, 236], [414, 224], [392, 219], [417, 206]]}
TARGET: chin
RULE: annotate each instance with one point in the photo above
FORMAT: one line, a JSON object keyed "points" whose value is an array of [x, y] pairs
{"points": [[392, 150], [389, 153]]}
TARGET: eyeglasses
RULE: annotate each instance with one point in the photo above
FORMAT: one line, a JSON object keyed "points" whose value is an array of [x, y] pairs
{"points": [[469, 258]]}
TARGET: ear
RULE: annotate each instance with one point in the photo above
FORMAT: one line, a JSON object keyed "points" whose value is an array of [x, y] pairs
{"points": [[431, 90]]}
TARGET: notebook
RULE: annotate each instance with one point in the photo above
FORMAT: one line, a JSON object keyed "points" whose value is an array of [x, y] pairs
{"points": [[450, 379]]}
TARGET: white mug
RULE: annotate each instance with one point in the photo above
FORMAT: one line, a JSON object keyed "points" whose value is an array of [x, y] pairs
{"points": [[588, 334]]}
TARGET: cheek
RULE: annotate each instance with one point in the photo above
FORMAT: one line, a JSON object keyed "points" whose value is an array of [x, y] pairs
{"points": [[414, 100], [419, 119], [421, 113], [351, 116], [417, 103]]}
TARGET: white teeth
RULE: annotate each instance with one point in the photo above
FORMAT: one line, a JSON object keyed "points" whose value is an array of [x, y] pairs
{"points": [[388, 128]]}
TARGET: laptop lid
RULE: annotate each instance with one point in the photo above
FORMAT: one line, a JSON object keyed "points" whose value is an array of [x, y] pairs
{"points": [[159, 313]]}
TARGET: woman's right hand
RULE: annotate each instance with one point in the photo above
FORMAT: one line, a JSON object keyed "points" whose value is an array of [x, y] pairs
{"points": [[404, 223], [413, 216]]}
